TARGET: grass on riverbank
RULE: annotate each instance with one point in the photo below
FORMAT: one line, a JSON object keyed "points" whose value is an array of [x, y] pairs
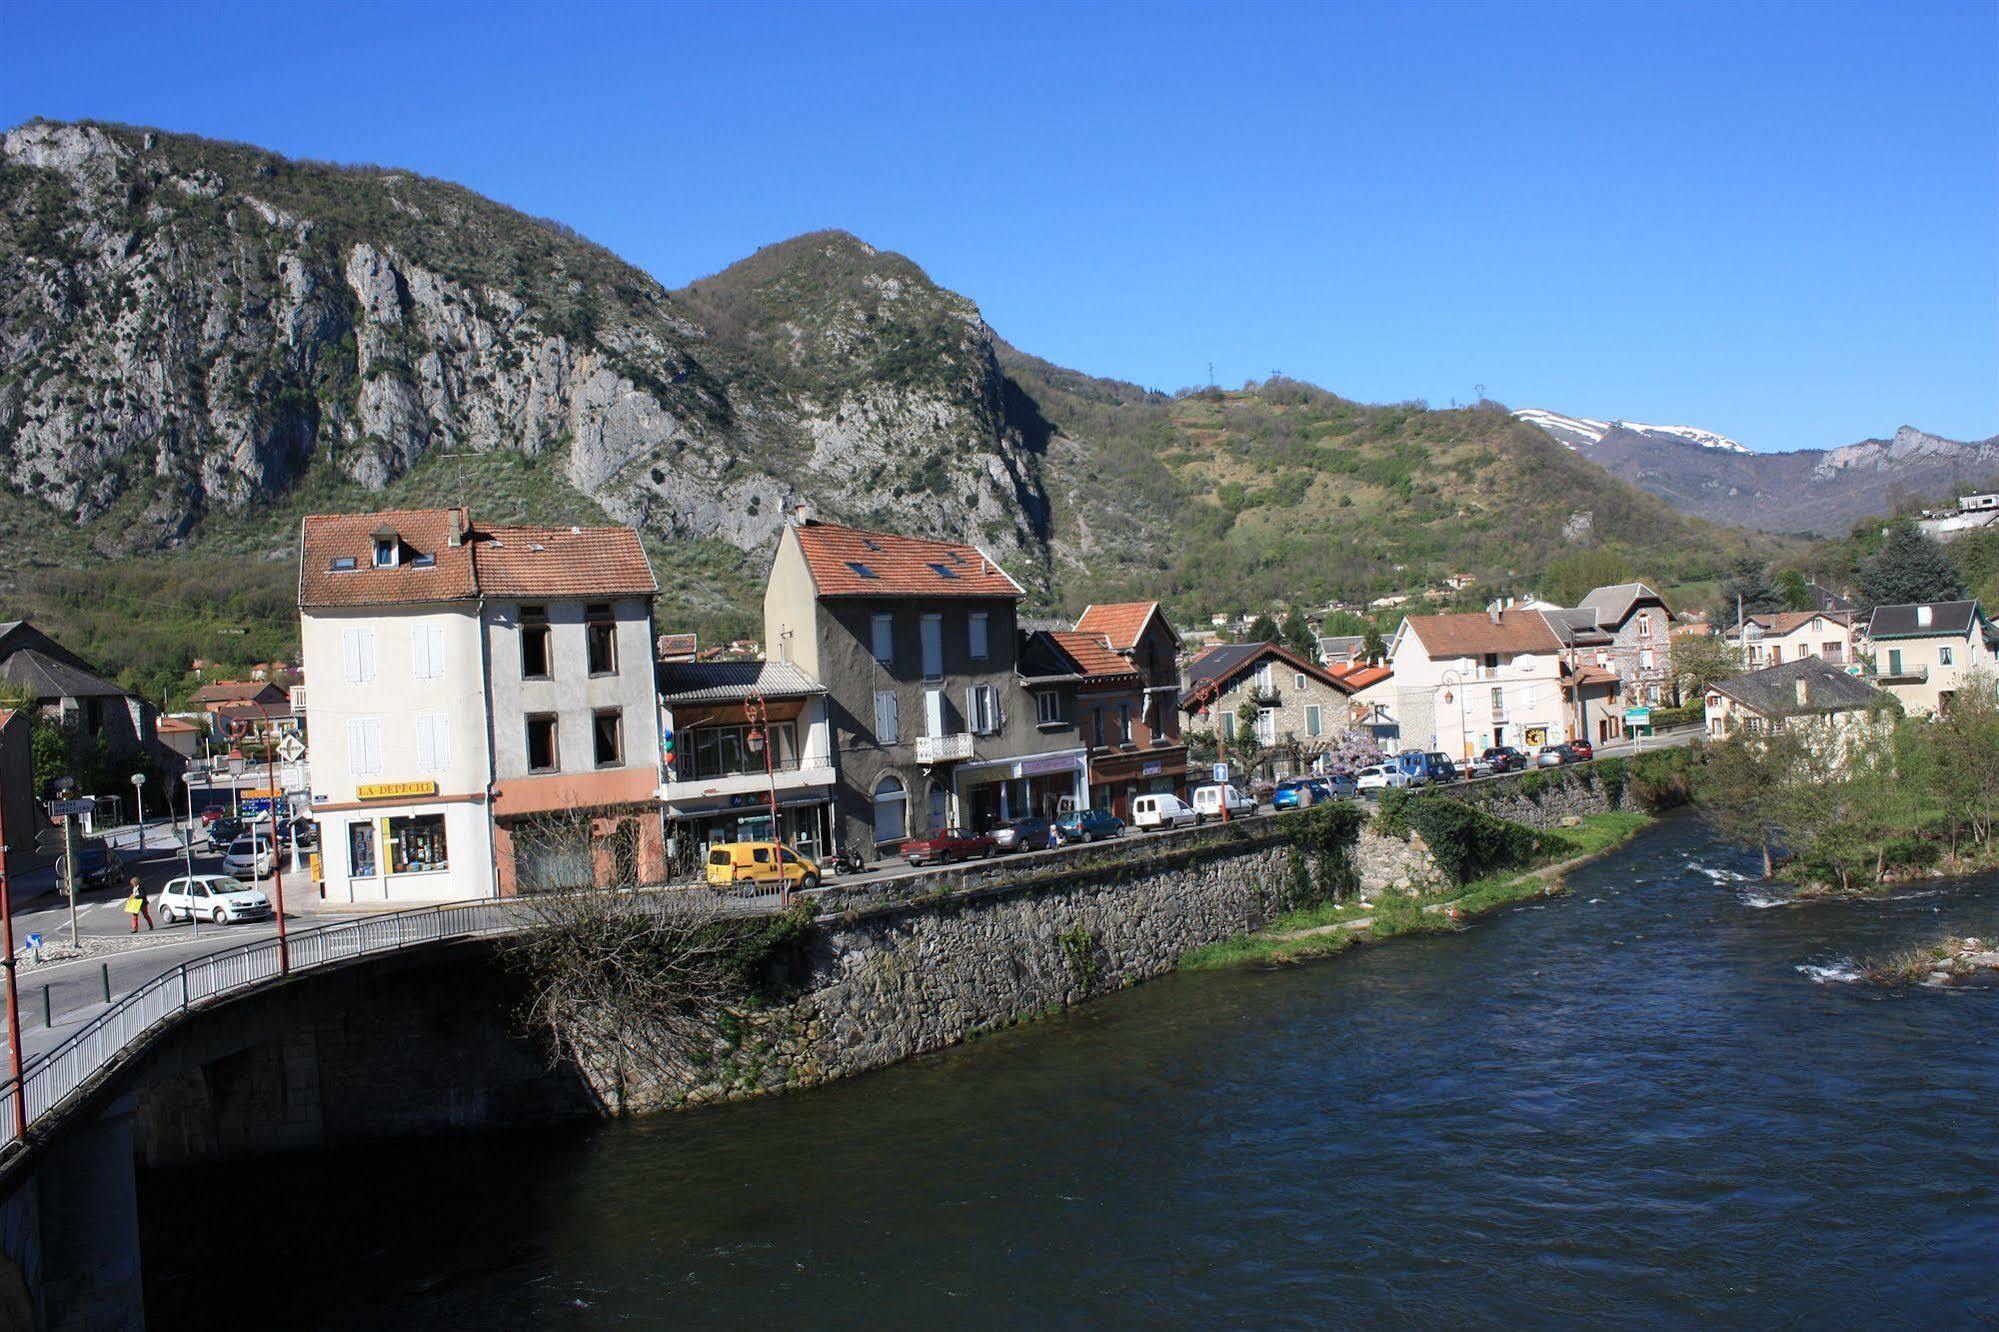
{"points": [[1333, 927]]}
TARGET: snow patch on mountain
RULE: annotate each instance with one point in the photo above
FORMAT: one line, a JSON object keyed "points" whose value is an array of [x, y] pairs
{"points": [[1578, 431]]}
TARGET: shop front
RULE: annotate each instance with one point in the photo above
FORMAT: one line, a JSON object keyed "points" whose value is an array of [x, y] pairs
{"points": [[994, 791], [804, 823], [1116, 778], [399, 842]]}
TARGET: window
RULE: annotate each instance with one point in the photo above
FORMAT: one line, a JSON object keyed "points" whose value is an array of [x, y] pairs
{"points": [[940, 807], [1499, 700], [601, 634], [1263, 676], [541, 744], [607, 738], [1266, 726], [943, 571], [976, 630], [1894, 661], [433, 742], [1298, 680], [724, 751], [884, 636], [1312, 719], [1776, 654], [1645, 659], [933, 647], [416, 844], [343, 564], [891, 809], [887, 727], [1834, 650], [364, 746], [427, 651], [357, 655], [385, 552], [1943, 656], [982, 710], [934, 720], [361, 849], [1124, 723], [1097, 726], [423, 561], [535, 655], [1228, 726], [1644, 624], [1047, 708], [861, 569]]}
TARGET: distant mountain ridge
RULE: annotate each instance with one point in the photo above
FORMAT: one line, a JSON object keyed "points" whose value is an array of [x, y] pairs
{"points": [[1819, 491], [201, 341]]}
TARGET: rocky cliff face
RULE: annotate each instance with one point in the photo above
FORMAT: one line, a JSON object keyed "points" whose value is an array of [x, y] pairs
{"points": [[189, 327]]}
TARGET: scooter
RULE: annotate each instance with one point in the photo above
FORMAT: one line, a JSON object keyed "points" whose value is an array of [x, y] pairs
{"points": [[846, 861]]}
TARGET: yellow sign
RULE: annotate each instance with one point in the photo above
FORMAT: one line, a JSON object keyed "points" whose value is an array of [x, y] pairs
{"points": [[396, 790]]}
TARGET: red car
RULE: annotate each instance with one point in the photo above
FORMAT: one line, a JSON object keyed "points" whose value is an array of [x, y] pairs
{"points": [[942, 847], [1582, 750]]}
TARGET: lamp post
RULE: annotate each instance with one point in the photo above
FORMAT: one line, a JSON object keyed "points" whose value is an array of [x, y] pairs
{"points": [[1455, 682], [187, 852], [277, 879], [758, 713], [13, 1002], [139, 805]]}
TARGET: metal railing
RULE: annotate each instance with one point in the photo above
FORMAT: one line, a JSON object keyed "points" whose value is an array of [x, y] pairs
{"points": [[107, 1039]]}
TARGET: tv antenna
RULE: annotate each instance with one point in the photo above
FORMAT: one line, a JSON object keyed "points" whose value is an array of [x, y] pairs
{"points": [[1480, 390]]}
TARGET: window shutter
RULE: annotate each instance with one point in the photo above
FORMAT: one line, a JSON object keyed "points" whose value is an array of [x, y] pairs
{"points": [[440, 739], [420, 651], [357, 747], [367, 654], [975, 720], [426, 745], [933, 712], [371, 730], [350, 655], [894, 717]]}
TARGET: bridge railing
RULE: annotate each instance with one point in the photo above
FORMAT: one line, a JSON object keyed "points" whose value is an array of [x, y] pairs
{"points": [[52, 1078]]}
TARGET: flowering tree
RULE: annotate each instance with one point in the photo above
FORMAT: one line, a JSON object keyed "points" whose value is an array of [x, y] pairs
{"points": [[1348, 752]]}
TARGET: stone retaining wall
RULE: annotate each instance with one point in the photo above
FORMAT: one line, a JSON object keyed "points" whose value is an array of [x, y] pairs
{"points": [[1543, 798]]}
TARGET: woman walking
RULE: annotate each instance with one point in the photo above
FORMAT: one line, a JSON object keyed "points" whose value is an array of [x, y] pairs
{"points": [[135, 906]]}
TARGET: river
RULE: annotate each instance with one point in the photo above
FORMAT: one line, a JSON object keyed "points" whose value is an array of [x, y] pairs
{"points": [[1651, 1101]]}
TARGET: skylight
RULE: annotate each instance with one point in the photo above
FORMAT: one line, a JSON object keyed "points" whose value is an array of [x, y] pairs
{"points": [[945, 571], [871, 544], [344, 564], [862, 569], [956, 558]]}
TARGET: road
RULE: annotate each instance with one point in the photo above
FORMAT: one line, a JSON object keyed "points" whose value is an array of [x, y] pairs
{"points": [[59, 996]]}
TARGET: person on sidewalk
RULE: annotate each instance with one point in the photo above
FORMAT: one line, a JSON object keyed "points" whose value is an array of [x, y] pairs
{"points": [[135, 906]]}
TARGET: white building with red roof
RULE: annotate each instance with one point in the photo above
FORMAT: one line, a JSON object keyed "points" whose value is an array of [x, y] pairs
{"points": [[483, 716]]}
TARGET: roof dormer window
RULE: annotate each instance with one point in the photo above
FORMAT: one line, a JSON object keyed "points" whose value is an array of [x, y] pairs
{"points": [[387, 556]]}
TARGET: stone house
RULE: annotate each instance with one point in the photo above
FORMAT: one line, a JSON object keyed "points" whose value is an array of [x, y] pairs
{"points": [[1301, 707], [1640, 650], [1806, 695], [1155, 756], [1923, 653], [917, 644]]}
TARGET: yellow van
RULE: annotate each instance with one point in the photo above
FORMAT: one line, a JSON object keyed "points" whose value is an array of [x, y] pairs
{"points": [[756, 862]]}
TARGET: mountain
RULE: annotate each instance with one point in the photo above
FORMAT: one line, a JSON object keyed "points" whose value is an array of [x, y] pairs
{"points": [[1822, 491], [202, 341]]}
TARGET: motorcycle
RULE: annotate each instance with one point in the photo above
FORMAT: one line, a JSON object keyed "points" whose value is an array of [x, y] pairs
{"points": [[847, 861]]}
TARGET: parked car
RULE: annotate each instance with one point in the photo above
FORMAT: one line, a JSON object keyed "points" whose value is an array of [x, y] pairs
{"points": [[1582, 750], [1300, 793], [1423, 768], [946, 845], [248, 854], [1442, 768], [1028, 834], [1550, 756], [218, 898], [1208, 801], [304, 834], [211, 814], [97, 866], [757, 862], [1382, 777], [1504, 758], [1162, 811], [1341, 784], [1088, 825], [224, 830]]}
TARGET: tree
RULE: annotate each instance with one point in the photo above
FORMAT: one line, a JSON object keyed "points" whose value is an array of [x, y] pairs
{"points": [[1246, 749], [1966, 745], [1263, 630], [1570, 577], [1909, 567], [1791, 587], [1702, 661], [1748, 585], [1372, 649], [1743, 788], [1298, 637], [1344, 624]]}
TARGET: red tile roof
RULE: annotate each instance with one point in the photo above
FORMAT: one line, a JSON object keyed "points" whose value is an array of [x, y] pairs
{"points": [[1358, 675], [1093, 657], [1119, 622], [901, 566], [326, 537], [1474, 632], [561, 562], [553, 562], [225, 691]]}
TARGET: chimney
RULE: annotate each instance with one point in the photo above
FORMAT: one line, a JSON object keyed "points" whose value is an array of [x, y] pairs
{"points": [[799, 514], [1493, 613], [455, 528], [1804, 692], [1924, 617]]}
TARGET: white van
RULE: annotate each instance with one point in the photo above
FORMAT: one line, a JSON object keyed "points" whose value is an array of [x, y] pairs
{"points": [[1208, 802], [1161, 811]]}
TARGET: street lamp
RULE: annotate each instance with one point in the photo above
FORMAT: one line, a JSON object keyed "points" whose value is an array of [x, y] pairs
{"points": [[13, 1005], [139, 805], [758, 713], [1453, 682]]}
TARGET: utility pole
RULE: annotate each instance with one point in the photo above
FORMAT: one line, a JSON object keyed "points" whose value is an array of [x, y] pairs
{"points": [[13, 997], [277, 879]]}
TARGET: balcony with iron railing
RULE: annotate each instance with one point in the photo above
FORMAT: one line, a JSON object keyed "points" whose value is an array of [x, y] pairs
{"points": [[944, 748], [1891, 673]]}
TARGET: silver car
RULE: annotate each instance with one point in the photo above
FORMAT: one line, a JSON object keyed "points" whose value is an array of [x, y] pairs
{"points": [[217, 898]]}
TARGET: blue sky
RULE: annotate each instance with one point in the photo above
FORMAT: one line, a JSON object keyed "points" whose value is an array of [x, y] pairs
{"points": [[1776, 221]]}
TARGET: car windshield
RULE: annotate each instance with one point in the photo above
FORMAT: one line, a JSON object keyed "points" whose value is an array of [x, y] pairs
{"points": [[227, 886]]}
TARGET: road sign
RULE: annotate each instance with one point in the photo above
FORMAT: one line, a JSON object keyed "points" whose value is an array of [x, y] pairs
{"points": [[1221, 772], [291, 749], [1638, 716], [62, 809]]}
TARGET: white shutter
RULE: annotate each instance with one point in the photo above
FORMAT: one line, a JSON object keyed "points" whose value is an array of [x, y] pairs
{"points": [[420, 653], [366, 638], [974, 720], [350, 655], [436, 651], [371, 735], [440, 737], [426, 749], [357, 747], [933, 713]]}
